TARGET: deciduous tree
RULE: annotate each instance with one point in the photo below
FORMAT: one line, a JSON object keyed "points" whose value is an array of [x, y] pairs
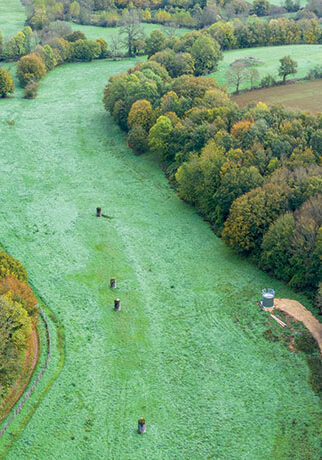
{"points": [[287, 67]]}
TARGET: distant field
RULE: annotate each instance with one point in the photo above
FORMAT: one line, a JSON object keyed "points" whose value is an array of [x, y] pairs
{"points": [[307, 57], [12, 16], [282, 2], [93, 32], [305, 96]]}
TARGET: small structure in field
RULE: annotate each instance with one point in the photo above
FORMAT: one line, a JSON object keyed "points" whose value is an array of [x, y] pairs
{"points": [[141, 426], [268, 299], [117, 305], [98, 211], [113, 283]]}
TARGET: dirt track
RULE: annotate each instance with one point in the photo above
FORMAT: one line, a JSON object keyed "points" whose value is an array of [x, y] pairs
{"points": [[300, 313]]}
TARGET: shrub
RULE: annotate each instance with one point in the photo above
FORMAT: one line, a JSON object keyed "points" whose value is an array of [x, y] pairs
{"points": [[30, 67], [75, 36], [12, 267], [85, 50], [6, 83], [31, 90], [268, 81]]}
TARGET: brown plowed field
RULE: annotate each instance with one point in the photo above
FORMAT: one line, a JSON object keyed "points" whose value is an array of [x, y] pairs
{"points": [[306, 96]]}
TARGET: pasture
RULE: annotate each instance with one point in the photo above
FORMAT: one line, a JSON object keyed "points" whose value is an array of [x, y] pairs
{"points": [[12, 17], [306, 96], [187, 350], [307, 57]]}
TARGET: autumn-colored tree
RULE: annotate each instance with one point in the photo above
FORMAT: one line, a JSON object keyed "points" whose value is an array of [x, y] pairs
{"points": [[12, 267], [20, 292], [30, 67], [6, 83], [15, 330], [141, 114], [103, 48], [251, 214]]}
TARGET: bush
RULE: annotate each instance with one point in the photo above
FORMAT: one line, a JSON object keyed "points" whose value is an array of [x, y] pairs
{"points": [[6, 83], [315, 73], [31, 90], [12, 267], [30, 67], [268, 81], [75, 36], [85, 50]]}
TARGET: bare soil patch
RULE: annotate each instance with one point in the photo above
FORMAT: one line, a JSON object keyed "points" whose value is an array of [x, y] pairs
{"points": [[300, 313]]}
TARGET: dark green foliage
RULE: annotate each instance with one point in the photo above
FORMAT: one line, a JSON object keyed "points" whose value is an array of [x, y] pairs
{"points": [[155, 42], [287, 67], [276, 247], [137, 139], [75, 36], [206, 53], [306, 343], [315, 379], [261, 7]]}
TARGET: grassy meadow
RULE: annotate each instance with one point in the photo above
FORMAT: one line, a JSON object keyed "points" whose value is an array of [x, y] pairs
{"points": [[307, 57], [187, 350], [305, 96], [12, 16]]}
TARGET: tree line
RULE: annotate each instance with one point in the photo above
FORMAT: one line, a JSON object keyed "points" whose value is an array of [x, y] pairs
{"points": [[184, 13], [18, 317], [253, 173]]}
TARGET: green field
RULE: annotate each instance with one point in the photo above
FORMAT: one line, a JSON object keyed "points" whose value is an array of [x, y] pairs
{"points": [[305, 96], [187, 350], [307, 56], [12, 16]]}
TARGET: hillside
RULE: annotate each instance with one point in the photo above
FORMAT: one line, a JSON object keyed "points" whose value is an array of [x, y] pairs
{"points": [[187, 350]]}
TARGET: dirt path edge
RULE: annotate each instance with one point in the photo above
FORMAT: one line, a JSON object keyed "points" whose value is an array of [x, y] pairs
{"points": [[300, 313]]}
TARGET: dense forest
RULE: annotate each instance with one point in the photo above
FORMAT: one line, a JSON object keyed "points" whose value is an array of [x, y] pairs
{"points": [[18, 317], [253, 173]]}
